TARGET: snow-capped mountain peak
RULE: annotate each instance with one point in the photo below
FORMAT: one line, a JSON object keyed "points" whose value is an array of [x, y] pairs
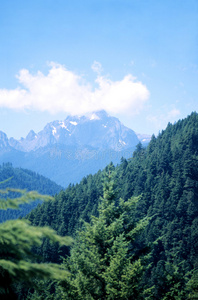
{"points": [[94, 116], [97, 130]]}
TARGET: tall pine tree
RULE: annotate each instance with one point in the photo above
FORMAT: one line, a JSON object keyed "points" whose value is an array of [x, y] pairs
{"points": [[103, 263]]}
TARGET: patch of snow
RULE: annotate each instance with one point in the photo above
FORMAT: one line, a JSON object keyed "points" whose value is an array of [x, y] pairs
{"points": [[62, 124], [74, 123], [54, 130], [94, 117], [122, 142]]}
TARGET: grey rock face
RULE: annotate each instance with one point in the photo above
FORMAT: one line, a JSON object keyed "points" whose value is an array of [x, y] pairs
{"points": [[98, 130], [65, 151], [4, 143]]}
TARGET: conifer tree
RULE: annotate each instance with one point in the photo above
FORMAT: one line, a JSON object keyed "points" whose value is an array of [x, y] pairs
{"points": [[103, 264]]}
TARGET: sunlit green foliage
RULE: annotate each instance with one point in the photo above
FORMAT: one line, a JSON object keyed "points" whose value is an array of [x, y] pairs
{"points": [[25, 197], [103, 262], [17, 237]]}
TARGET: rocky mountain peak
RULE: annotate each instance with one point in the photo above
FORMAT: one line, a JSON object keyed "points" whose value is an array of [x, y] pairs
{"points": [[97, 130], [4, 143], [31, 135]]}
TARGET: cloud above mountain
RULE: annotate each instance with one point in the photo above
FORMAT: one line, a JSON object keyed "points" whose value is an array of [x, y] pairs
{"points": [[62, 90]]}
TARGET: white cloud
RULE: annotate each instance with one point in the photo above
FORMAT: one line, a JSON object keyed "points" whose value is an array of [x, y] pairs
{"points": [[173, 113], [62, 90]]}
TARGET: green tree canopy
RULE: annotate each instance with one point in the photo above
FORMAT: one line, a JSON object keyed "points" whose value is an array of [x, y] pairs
{"points": [[17, 262], [103, 264]]}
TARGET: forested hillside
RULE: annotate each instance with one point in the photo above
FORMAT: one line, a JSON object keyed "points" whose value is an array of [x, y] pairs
{"points": [[165, 176], [11, 177]]}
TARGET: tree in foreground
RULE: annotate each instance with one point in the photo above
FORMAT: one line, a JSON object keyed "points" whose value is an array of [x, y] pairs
{"points": [[103, 263], [17, 262]]}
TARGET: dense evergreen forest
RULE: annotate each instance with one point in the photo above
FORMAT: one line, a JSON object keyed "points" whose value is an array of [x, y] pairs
{"points": [[11, 177], [135, 226]]}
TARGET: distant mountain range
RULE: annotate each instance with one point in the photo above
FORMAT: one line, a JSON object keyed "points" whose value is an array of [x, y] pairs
{"points": [[65, 151]]}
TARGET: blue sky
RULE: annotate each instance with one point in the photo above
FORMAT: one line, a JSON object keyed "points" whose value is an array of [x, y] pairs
{"points": [[138, 59]]}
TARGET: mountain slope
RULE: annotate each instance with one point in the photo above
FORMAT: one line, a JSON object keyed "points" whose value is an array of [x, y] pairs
{"points": [[65, 151], [24, 179], [166, 176]]}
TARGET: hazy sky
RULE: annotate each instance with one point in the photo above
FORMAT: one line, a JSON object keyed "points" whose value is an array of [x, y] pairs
{"points": [[137, 59]]}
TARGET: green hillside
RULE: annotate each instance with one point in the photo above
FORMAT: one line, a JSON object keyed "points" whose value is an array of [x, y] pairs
{"points": [[165, 176], [11, 177]]}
